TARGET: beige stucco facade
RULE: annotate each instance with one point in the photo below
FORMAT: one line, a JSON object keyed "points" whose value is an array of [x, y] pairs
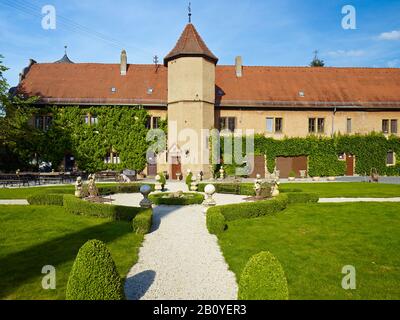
{"points": [[295, 122]]}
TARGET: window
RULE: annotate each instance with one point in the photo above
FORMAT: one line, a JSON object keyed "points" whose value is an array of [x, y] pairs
{"points": [[278, 124], [349, 125], [228, 123], [91, 119], [391, 158], [321, 125], [270, 125], [39, 122], [156, 122], [311, 125], [385, 126], [112, 158], [393, 126], [43, 122], [148, 122]]}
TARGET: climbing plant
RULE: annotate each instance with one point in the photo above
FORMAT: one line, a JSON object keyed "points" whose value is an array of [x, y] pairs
{"points": [[322, 152], [120, 130]]}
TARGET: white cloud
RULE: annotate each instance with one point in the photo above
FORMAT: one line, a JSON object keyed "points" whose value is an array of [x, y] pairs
{"points": [[348, 53], [393, 63], [393, 35]]}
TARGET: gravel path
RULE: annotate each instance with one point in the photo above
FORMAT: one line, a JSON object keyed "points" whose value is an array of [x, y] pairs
{"points": [[14, 202], [180, 260]]}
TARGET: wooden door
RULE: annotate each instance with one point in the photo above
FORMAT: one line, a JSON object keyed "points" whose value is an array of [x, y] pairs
{"points": [[287, 164], [176, 167], [350, 164], [259, 167]]}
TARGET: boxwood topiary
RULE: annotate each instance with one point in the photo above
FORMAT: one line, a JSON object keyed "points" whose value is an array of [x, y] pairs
{"points": [[263, 278], [187, 199], [215, 221], [94, 275], [142, 222]]}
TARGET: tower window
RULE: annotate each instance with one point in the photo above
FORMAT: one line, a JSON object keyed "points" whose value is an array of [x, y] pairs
{"points": [[349, 125]]}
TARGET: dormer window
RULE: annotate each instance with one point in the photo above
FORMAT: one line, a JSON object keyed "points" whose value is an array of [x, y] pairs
{"points": [[113, 90]]}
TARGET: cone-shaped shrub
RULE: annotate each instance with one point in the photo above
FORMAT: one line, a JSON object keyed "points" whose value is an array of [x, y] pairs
{"points": [[94, 275], [263, 278]]}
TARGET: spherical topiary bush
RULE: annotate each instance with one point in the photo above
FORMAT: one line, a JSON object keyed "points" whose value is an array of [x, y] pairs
{"points": [[94, 275], [263, 278]]}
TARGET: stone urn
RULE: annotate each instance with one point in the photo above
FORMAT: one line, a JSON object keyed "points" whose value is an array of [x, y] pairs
{"points": [[209, 190], [146, 202], [158, 186]]}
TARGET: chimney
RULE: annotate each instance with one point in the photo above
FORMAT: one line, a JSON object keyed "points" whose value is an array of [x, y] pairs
{"points": [[124, 63], [239, 66]]}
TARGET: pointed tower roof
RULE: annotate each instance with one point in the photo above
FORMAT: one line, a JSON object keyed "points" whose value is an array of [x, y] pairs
{"points": [[65, 58], [190, 44]]}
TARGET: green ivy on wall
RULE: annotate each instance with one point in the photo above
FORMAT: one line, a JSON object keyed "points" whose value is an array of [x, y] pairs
{"points": [[118, 129], [323, 153]]}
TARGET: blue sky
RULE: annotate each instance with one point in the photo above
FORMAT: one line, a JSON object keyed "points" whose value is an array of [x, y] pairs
{"points": [[280, 32]]}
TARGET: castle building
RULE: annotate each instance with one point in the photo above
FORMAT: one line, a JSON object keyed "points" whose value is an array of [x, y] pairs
{"points": [[195, 94]]}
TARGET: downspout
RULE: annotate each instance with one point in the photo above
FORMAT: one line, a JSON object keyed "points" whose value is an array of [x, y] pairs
{"points": [[333, 121]]}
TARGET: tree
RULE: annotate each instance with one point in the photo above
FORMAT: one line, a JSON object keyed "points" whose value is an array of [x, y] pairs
{"points": [[17, 139], [316, 62]]}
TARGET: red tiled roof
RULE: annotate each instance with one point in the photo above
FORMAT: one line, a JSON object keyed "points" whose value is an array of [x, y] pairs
{"points": [[260, 86], [190, 44]]}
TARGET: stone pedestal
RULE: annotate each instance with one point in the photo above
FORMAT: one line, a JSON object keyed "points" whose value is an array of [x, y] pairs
{"points": [[209, 201], [145, 191]]}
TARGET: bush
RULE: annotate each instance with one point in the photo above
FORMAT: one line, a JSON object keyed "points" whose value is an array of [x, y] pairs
{"points": [[94, 275], [166, 199], [189, 180], [245, 189], [122, 188], [85, 208], [215, 221], [263, 278], [163, 181], [254, 209], [142, 222], [302, 197], [44, 199]]}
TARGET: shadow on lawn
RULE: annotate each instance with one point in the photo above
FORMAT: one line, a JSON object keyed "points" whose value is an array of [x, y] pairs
{"points": [[17, 268]]}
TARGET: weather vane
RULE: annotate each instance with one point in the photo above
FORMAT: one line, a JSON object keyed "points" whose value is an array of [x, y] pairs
{"points": [[65, 49], [190, 12]]}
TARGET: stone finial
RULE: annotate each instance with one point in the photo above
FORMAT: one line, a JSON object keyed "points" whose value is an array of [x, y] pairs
{"points": [[209, 201], [145, 190]]}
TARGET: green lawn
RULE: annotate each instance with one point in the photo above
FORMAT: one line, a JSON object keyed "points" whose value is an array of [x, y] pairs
{"points": [[347, 190], [315, 241], [32, 237]]}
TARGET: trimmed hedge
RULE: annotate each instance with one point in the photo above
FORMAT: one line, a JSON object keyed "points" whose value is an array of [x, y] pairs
{"points": [[187, 199], [94, 275], [244, 189], [302, 197], [216, 223], [142, 222], [85, 208], [44, 199], [123, 188], [263, 278], [254, 209]]}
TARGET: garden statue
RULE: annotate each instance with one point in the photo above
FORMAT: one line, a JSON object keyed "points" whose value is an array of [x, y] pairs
{"points": [[209, 201], [275, 188], [92, 189], [194, 185], [146, 202], [158, 186], [257, 188], [222, 173], [78, 187]]}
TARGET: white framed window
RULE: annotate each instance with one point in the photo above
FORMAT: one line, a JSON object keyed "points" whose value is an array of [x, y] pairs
{"points": [[391, 159]]}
